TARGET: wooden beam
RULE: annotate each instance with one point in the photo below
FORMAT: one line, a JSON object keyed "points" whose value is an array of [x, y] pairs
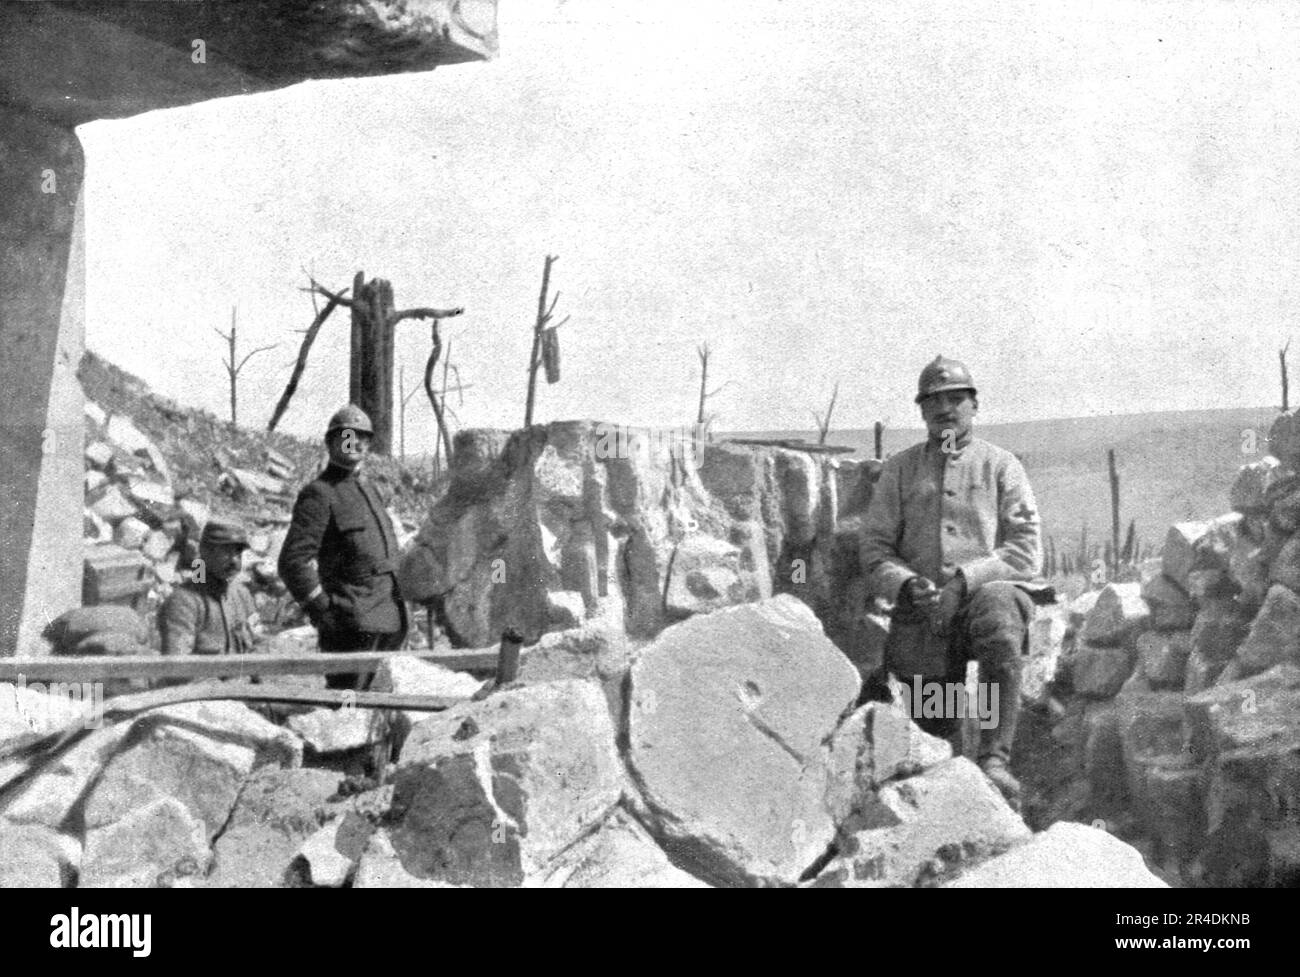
{"points": [[103, 668]]}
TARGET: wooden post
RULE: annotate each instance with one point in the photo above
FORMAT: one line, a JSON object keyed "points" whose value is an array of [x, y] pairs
{"points": [[543, 314], [1114, 510], [508, 656], [1281, 356], [880, 440]]}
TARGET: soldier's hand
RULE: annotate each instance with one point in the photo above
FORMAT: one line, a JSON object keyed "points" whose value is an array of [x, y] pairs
{"points": [[316, 609], [922, 592]]}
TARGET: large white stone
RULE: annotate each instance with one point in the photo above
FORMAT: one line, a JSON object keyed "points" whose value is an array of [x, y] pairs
{"points": [[727, 720], [489, 792], [921, 828], [1065, 856]]}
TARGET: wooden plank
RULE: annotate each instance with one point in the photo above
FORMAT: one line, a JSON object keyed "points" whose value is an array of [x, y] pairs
{"points": [[123, 706], [94, 668]]}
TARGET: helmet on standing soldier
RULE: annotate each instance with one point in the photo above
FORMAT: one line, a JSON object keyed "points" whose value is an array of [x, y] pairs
{"points": [[943, 374], [352, 417]]}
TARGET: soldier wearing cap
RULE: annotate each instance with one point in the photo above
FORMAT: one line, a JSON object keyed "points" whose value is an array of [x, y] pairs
{"points": [[339, 559], [952, 539], [212, 613]]}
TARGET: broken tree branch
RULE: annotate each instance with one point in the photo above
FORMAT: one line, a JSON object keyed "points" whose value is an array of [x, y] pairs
{"points": [[292, 386]]}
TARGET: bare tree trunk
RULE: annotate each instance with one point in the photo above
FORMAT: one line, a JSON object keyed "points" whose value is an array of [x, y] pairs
{"points": [[1114, 509], [535, 359], [292, 387], [433, 398], [880, 440], [1281, 355], [234, 399], [703, 352]]}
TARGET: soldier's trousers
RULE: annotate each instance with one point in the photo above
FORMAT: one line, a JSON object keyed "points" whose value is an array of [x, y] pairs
{"points": [[991, 628], [332, 640]]}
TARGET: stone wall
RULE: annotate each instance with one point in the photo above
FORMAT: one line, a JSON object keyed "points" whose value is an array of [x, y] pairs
{"points": [[1182, 688], [545, 528]]}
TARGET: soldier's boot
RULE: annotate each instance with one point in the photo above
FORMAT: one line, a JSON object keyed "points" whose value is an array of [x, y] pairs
{"points": [[998, 621]]}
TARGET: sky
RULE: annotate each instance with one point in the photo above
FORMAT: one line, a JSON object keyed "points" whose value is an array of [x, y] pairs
{"points": [[1090, 203]]}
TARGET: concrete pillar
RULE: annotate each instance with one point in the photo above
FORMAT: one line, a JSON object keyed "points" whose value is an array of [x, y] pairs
{"points": [[41, 337]]}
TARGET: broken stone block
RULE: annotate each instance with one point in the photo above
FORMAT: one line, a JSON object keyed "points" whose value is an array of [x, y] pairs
{"points": [[52, 793], [113, 506], [1081, 607], [704, 575], [409, 675], [327, 730], [276, 812], [1171, 608], [565, 609], [1100, 672], [875, 744], [1065, 856], [195, 515], [1286, 566], [232, 722], [98, 455], [1178, 555], [1200, 672], [1163, 656], [1046, 646], [1283, 856], [1261, 709], [1249, 490], [202, 774], [489, 792], [151, 495], [1119, 613], [156, 545], [1221, 625], [1209, 584], [764, 680], [328, 858], [92, 481], [1212, 547], [1284, 513], [1248, 566], [36, 857], [382, 868], [596, 652], [1103, 752], [1161, 776], [1284, 439], [923, 828], [131, 533], [620, 854], [1274, 635], [153, 845]]}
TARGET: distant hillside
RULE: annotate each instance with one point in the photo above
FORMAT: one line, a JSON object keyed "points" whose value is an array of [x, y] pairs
{"points": [[1173, 466]]}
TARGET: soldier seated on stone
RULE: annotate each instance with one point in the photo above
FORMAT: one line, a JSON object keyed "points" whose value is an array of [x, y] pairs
{"points": [[952, 539], [212, 613]]}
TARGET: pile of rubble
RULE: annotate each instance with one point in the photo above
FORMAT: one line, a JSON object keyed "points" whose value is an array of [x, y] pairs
{"points": [[1181, 690], [141, 537], [728, 751]]}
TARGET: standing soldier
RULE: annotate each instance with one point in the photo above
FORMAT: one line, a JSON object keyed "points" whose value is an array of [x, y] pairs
{"points": [[212, 613], [951, 538], [339, 558]]}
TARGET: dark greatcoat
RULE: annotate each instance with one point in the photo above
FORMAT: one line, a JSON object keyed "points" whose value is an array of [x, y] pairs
{"points": [[341, 541]]}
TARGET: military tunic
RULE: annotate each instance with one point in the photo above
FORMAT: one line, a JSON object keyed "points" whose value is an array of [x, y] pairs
{"points": [[938, 513], [341, 543], [209, 619]]}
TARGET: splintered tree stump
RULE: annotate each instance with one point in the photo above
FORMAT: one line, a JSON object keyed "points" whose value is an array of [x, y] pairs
{"points": [[370, 385]]}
